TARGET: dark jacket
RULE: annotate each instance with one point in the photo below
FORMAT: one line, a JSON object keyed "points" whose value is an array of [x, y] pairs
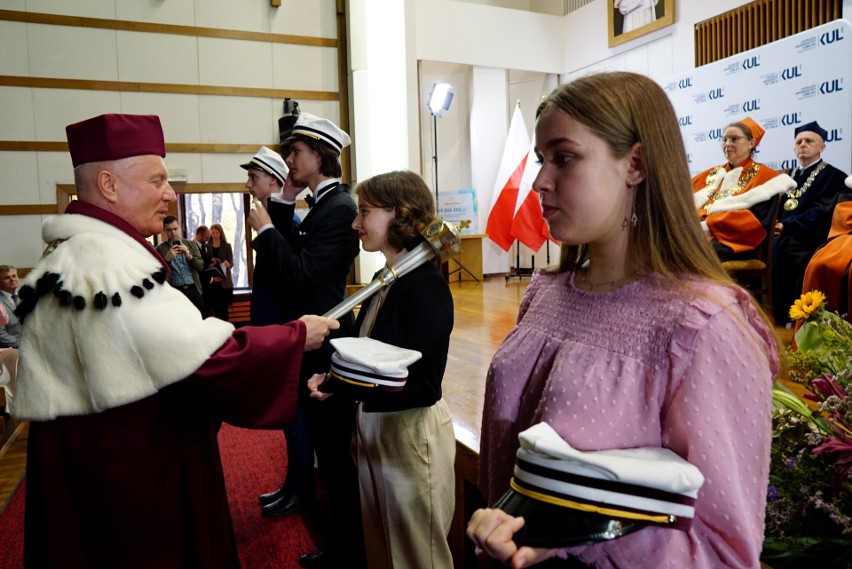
{"points": [[302, 269], [417, 314]]}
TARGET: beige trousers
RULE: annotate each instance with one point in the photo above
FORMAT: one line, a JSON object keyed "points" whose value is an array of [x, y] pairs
{"points": [[405, 469]]}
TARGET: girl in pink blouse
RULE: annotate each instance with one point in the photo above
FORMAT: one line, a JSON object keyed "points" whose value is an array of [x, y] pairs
{"points": [[637, 339]]}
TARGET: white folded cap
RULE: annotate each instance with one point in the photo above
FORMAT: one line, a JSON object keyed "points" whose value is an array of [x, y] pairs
{"points": [[570, 497], [318, 128], [370, 363], [270, 162]]}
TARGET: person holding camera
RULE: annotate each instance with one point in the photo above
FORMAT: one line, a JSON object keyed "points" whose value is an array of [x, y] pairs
{"points": [[184, 260]]}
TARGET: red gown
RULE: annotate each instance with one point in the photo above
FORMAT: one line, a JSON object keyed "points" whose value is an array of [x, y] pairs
{"points": [[140, 485]]}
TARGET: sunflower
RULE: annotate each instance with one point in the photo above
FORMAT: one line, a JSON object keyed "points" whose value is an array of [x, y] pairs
{"points": [[806, 305]]}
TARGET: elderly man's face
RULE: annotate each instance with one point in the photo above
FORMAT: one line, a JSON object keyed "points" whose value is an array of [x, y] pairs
{"points": [[9, 281], [143, 193]]}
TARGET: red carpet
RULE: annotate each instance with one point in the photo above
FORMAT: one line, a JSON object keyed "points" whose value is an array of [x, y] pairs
{"points": [[254, 463]]}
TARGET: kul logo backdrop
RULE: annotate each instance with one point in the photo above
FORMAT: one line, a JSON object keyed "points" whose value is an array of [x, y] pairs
{"points": [[781, 85]]}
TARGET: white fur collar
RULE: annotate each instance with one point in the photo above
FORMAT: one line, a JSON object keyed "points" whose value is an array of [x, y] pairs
{"points": [[105, 329], [780, 184]]}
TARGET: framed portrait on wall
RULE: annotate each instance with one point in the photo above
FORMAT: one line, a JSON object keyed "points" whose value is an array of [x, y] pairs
{"points": [[630, 19]]}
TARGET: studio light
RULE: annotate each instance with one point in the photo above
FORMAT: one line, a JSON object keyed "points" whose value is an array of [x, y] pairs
{"points": [[440, 98]]}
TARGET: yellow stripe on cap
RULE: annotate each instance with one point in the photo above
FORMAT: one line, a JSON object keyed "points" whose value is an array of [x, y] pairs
{"points": [[612, 512], [352, 381], [305, 133]]}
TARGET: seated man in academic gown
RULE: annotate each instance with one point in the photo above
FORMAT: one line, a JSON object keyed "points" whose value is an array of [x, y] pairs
{"points": [[805, 217], [125, 384]]}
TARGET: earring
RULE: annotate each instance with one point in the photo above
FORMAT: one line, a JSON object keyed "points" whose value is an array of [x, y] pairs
{"points": [[634, 219]]}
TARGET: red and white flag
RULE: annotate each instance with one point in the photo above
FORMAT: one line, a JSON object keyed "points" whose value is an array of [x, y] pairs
{"points": [[509, 175], [528, 225]]}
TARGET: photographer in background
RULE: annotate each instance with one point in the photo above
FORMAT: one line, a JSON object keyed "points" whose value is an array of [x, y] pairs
{"points": [[185, 261]]}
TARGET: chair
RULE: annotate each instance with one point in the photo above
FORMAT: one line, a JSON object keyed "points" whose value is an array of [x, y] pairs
{"points": [[755, 275]]}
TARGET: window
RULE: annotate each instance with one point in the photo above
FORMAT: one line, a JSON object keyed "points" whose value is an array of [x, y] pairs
{"points": [[227, 209]]}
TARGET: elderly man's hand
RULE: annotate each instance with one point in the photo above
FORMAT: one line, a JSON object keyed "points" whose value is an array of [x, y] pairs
{"points": [[317, 329], [258, 216]]}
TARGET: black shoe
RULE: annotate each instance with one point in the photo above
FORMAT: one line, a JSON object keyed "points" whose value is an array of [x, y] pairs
{"points": [[286, 504], [270, 497], [321, 559]]}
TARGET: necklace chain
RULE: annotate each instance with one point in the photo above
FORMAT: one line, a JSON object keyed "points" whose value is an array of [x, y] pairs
{"points": [[794, 195], [613, 284]]}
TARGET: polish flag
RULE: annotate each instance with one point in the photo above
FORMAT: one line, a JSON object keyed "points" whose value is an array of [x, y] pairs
{"points": [[528, 225], [507, 185]]}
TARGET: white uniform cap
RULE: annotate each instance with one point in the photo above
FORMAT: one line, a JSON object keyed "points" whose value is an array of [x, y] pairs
{"points": [[365, 362], [317, 128], [270, 162], [570, 497]]}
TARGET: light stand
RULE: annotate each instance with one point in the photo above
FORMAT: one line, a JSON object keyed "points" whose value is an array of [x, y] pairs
{"points": [[440, 97]]}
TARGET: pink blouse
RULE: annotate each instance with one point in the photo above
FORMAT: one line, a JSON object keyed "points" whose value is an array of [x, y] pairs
{"points": [[689, 368]]}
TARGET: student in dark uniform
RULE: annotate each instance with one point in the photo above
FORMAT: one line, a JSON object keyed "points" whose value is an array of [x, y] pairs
{"points": [[805, 217], [304, 267]]}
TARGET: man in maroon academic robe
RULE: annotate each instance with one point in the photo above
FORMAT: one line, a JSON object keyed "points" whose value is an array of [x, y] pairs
{"points": [[123, 466]]}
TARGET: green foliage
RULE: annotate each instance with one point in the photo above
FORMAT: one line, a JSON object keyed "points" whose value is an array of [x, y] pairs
{"points": [[809, 506]]}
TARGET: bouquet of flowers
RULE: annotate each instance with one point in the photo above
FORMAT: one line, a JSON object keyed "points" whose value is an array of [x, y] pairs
{"points": [[809, 509]]}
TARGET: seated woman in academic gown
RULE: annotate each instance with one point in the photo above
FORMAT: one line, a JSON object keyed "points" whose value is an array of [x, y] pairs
{"points": [[828, 269], [734, 200]]}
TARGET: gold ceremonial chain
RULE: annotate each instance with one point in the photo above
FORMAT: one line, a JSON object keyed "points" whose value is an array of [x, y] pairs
{"points": [[718, 194], [611, 284], [794, 195], [51, 247]]}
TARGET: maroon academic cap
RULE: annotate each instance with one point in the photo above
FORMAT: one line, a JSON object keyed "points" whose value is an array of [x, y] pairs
{"points": [[111, 137]]}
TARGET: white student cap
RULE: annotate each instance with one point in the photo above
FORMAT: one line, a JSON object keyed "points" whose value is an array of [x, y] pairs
{"points": [[317, 128], [270, 162], [570, 497], [365, 363]]}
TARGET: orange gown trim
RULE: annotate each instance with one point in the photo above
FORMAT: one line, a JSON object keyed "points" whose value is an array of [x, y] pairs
{"points": [[740, 230], [825, 269]]}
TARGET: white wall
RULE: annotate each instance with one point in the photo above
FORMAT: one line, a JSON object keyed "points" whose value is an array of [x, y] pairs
{"points": [[472, 34], [383, 78], [66, 52]]}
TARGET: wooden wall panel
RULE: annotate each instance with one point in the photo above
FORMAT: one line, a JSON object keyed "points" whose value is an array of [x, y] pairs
{"points": [[759, 23]]}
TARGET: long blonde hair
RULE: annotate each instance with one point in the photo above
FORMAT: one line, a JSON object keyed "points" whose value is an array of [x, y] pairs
{"points": [[623, 109]]}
